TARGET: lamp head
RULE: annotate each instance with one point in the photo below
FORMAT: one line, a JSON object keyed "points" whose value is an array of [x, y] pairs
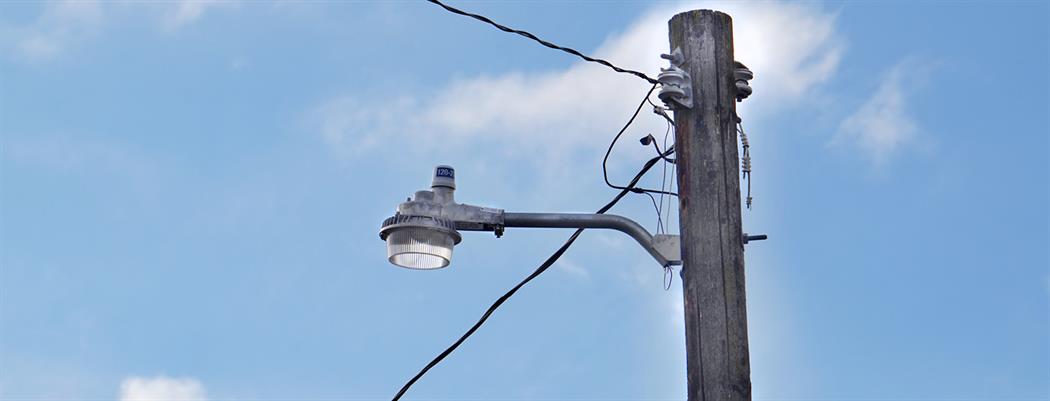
{"points": [[419, 242], [422, 232]]}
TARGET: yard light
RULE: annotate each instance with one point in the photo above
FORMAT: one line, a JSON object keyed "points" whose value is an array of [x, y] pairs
{"points": [[419, 242], [425, 228]]}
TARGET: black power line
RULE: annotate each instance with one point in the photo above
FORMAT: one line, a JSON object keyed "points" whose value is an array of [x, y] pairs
{"points": [[572, 51]]}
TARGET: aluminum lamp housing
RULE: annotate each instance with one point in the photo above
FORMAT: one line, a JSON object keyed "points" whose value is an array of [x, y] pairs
{"points": [[419, 242]]}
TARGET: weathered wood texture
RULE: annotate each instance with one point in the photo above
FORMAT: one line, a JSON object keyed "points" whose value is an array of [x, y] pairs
{"points": [[712, 249]]}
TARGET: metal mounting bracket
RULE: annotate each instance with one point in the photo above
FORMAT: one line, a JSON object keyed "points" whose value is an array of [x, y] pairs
{"points": [[670, 247]]}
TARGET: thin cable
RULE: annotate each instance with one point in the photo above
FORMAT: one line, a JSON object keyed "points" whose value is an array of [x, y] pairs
{"points": [[659, 220], [651, 103], [542, 268], [670, 187], [662, 112], [668, 270], [571, 51], [605, 161], [663, 179], [668, 277]]}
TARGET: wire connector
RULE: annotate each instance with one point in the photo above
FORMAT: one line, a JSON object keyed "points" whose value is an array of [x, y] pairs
{"points": [[660, 111]]}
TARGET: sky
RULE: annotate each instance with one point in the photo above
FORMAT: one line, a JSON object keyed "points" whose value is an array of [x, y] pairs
{"points": [[191, 191]]}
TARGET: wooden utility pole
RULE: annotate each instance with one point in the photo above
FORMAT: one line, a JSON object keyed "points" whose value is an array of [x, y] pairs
{"points": [[709, 194]]}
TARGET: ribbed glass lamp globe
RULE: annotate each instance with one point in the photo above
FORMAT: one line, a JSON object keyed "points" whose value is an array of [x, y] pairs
{"points": [[419, 242]]}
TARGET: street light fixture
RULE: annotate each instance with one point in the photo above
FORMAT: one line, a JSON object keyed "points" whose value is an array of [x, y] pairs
{"points": [[419, 242], [425, 228]]}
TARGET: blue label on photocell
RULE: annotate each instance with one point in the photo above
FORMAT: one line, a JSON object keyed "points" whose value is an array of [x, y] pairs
{"points": [[446, 172]]}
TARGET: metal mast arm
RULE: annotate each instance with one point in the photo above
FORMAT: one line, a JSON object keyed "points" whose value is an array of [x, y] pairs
{"points": [[665, 248]]}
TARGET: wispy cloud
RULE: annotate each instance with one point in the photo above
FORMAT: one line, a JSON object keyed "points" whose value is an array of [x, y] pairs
{"points": [[66, 23], [346, 123], [60, 24], [573, 269], [792, 47], [161, 388], [185, 12], [884, 125]]}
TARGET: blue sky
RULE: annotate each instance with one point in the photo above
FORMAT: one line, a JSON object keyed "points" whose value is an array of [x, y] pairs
{"points": [[190, 194]]}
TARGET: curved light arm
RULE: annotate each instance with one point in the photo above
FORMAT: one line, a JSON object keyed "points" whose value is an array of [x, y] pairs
{"points": [[665, 248], [436, 210]]}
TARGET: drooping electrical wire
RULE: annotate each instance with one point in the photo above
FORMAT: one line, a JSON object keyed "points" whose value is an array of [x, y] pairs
{"points": [[542, 268], [526, 34], [660, 228], [605, 160]]}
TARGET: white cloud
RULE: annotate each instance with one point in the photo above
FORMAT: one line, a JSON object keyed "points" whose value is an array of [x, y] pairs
{"points": [[186, 12], [63, 24], [792, 48], [573, 269], [161, 388], [341, 122], [60, 24], [883, 124]]}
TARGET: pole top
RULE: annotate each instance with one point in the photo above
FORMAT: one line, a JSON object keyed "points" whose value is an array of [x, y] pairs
{"points": [[701, 13]]}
